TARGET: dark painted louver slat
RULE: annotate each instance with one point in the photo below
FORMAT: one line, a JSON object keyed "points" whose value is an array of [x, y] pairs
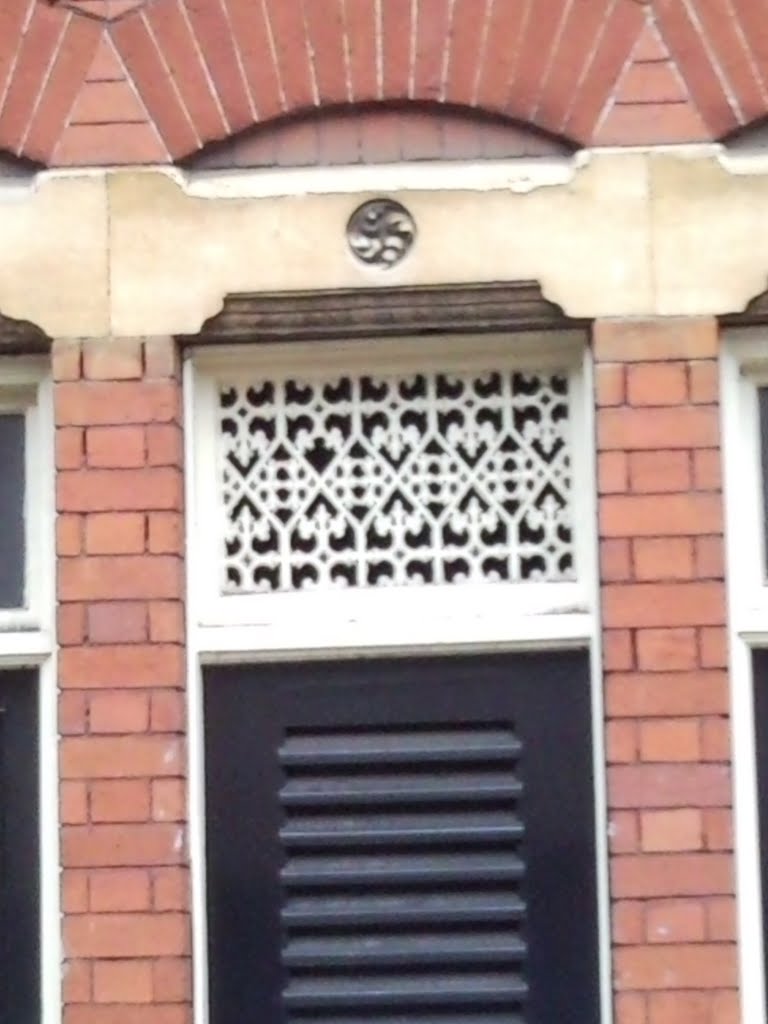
{"points": [[375, 811], [403, 949], [490, 905]]}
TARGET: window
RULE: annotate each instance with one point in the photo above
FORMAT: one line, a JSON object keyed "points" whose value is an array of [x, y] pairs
{"points": [[745, 465], [29, 958], [12, 540], [444, 474], [24, 500], [392, 607]]}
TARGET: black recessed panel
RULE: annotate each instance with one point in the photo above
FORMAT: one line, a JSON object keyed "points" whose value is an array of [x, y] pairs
{"points": [[760, 676], [407, 840], [19, 849], [12, 483]]}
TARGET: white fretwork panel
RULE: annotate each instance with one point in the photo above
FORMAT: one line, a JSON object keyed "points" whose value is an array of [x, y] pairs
{"points": [[409, 479]]}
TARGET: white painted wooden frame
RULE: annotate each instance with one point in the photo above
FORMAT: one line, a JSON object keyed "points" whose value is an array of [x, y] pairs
{"points": [[524, 616], [27, 640], [744, 367], [359, 617], [23, 389]]}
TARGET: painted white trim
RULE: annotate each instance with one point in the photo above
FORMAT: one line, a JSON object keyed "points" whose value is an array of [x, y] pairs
{"points": [[25, 389], [586, 498], [469, 175], [19, 649], [581, 434], [50, 852], [744, 560], [744, 161], [557, 624], [195, 723], [27, 640], [412, 636], [40, 510], [529, 350], [380, 613], [22, 373], [518, 175], [43, 594]]}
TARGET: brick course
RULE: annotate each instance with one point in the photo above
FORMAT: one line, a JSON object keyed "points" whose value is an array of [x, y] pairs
{"points": [[663, 605], [121, 672]]}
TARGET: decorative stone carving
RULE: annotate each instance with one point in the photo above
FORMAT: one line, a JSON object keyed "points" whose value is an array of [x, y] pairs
{"points": [[381, 232], [409, 479]]}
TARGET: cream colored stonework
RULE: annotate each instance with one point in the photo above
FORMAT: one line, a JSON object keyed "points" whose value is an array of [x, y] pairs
{"points": [[175, 256], [609, 234], [709, 234], [54, 254]]}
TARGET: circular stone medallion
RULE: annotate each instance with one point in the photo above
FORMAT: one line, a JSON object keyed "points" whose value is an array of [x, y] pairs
{"points": [[381, 232]]}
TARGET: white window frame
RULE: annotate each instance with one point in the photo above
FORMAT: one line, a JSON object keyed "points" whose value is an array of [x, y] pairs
{"points": [[513, 616], [743, 369], [27, 640], [23, 389], [361, 617]]}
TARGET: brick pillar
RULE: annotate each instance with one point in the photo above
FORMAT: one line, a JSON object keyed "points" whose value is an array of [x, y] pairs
{"points": [[121, 673], [666, 691]]}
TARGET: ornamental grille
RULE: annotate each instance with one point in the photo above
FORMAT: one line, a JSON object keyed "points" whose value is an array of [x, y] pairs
{"points": [[403, 479]]}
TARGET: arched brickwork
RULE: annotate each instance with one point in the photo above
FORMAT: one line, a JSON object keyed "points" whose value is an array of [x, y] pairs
{"points": [[130, 81], [378, 133]]}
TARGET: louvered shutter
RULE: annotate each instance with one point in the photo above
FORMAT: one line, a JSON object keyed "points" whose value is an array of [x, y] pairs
{"points": [[401, 842], [19, 856]]}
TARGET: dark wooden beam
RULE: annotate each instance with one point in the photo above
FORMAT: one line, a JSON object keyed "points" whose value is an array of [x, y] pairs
{"points": [[383, 312], [20, 337], [754, 314]]}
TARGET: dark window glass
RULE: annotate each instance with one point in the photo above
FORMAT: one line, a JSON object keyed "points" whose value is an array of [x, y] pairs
{"points": [[12, 540], [762, 399], [19, 854], [405, 840]]}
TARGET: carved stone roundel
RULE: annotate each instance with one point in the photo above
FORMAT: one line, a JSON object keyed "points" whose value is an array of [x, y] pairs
{"points": [[381, 232]]}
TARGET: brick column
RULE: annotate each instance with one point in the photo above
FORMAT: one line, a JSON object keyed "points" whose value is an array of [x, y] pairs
{"points": [[121, 674], [664, 606]]}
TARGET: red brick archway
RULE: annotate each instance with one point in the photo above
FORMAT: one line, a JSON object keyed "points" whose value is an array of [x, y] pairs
{"points": [[121, 81]]}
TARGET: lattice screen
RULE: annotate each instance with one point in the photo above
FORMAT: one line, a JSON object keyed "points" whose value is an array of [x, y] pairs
{"points": [[402, 479]]}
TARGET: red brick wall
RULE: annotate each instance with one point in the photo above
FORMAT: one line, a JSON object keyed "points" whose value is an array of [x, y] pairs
{"points": [[121, 675], [666, 690], [120, 587]]}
